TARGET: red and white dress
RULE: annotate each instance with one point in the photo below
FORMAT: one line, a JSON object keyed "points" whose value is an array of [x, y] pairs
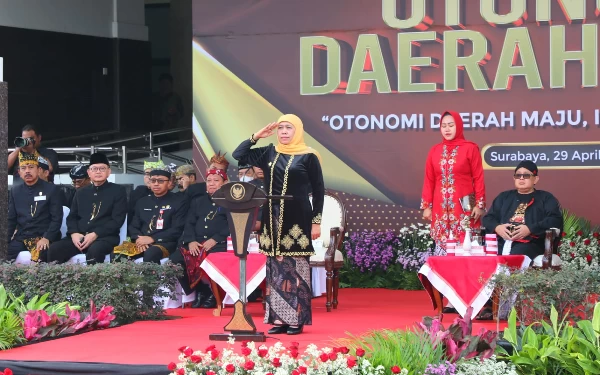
{"points": [[453, 170]]}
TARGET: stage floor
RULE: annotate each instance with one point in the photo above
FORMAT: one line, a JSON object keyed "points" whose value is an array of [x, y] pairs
{"points": [[156, 342]]}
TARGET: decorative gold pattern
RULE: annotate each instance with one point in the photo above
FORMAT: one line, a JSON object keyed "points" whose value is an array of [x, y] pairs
{"points": [[240, 220], [282, 202], [32, 209], [287, 242], [303, 242], [238, 192], [95, 210], [317, 219], [296, 231], [265, 240]]}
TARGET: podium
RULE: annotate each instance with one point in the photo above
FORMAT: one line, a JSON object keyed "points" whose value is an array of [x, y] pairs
{"points": [[240, 199]]}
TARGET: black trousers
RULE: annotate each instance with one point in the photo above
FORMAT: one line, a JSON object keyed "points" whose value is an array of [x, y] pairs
{"points": [[531, 249], [65, 249], [154, 254], [177, 258], [16, 246]]}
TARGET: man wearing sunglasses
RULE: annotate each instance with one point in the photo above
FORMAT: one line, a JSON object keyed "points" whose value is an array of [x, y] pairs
{"points": [[157, 223], [520, 217]]}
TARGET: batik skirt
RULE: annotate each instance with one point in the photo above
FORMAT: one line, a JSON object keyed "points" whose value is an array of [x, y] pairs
{"points": [[289, 294]]}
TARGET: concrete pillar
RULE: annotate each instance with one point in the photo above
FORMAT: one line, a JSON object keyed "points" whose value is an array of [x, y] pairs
{"points": [[3, 166]]}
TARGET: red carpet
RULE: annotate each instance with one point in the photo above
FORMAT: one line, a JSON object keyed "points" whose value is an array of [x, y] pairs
{"points": [[156, 342]]}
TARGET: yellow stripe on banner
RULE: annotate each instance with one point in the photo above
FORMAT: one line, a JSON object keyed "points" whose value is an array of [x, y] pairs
{"points": [[226, 111]]}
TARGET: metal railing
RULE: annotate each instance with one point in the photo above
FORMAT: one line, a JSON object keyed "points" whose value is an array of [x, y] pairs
{"points": [[122, 152]]}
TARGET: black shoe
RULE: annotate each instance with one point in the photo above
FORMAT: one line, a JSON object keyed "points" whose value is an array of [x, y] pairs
{"points": [[295, 330], [449, 310], [278, 329], [198, 301], [209, 303]]}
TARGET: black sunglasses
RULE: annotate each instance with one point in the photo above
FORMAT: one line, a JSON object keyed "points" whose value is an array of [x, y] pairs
{"points": [[526, 176]]}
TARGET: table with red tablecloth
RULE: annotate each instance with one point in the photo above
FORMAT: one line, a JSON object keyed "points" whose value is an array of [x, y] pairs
{"points": [[224, 269], [463, 280]]}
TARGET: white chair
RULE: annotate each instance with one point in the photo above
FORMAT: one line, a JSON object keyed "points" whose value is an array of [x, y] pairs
{"points": [[328, 256], [24, 257], [81, 259]]}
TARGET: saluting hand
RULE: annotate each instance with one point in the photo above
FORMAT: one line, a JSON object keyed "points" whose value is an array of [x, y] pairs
{"points": [[265, 132]]}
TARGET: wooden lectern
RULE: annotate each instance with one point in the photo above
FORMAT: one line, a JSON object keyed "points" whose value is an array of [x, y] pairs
{"points": [[241, 199]]}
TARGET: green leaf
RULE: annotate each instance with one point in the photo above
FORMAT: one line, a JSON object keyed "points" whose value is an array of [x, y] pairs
{"points": [[554, 320], [510, 332], [596, 319]]}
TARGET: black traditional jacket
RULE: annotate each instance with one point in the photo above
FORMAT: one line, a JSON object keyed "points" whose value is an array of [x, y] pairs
{"points": [[206, 220], [171, 208], [543, 212], [286, 224], [99, 209], [35, 211]]}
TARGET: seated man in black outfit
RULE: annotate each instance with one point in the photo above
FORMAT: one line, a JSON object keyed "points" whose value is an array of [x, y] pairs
{"points": [[157, 223], [206, 231], [96, 217], [79, 178], [34, 211], [142, 190], [520, 217]]}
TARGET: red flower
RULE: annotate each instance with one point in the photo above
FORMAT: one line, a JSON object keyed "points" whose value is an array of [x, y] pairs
{"points": [[295, 372], [564, 234], [181, 371], [249, 365], [7, 371], [246, 351], [589, 258], [182, 349], [596, 234], [333, 356], [210, 373], [172, 366], [268, 373], [208, 349], [587, 241], [294, 353], [262, 353], [302, 370], [360, 352], [344, 350], [572, 255], [351, 362], [294, 344], [579, 233], [572, 244], [395, 369], [214, 354], [244, 344], [276, 362], [196, 358], [324, 357], [188, 351], [230, 368]]}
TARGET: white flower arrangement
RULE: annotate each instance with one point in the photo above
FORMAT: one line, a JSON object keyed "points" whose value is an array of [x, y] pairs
{"points": [[489, 366], [275, 360]]}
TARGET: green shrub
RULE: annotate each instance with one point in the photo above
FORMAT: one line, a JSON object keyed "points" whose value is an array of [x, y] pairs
{"points": [[572, 291], [127, 286]]}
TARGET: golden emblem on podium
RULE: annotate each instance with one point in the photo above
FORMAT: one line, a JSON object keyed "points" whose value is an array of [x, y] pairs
{"points": [[238, 192]]}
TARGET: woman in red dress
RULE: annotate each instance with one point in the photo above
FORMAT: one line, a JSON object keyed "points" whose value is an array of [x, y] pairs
{"points": [[453, 170]]}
